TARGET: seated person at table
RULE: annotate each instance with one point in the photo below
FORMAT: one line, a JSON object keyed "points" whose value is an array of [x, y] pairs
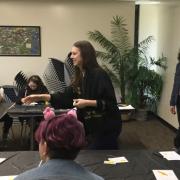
{"points": [[60, 139], [7, 123], [34, 86]]}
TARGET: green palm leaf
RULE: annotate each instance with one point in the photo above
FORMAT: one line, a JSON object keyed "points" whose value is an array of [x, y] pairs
{"points": [[119, 34], [102, 41]]}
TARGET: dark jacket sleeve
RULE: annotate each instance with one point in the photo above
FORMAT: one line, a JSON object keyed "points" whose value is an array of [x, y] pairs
{"points": [[63, 100], [176, 86], [106, 99]]}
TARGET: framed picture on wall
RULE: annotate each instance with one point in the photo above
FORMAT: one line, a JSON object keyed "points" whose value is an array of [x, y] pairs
{"points": [[20, 41]]}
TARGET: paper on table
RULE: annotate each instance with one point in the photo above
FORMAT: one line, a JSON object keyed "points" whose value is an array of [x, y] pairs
{"points": [[2, 159], [129, 107], [31, 104], [116, 160], [170, 155], [165, 175], [109, 162], [7, 177]]}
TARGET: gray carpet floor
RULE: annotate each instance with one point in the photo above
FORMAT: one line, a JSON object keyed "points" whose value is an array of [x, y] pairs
{"points": [[150, 134]]}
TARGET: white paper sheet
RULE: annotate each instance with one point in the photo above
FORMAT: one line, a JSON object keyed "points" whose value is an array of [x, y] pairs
{"points": [[7, 177], [170, 155], [31, 104], [116, 160], [129, 107], [164, 175], [2, 159]]}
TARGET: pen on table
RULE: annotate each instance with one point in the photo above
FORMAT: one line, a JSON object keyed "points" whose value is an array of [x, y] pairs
{"points": [[162, 173]]}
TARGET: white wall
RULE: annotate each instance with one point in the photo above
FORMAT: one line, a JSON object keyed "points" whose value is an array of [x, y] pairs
{"points": [[174, 46], [62, 23], [155, 20], [162, 21]]}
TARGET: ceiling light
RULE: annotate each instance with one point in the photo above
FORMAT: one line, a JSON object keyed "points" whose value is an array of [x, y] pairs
{"points": [[147, 2]]}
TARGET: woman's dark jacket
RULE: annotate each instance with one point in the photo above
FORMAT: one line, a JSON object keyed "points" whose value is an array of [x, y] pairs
{"points": [[96, 85], [176, 86]]}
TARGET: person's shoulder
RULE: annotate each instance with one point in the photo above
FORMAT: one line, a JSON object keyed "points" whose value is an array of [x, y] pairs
{"points": [[100, 72], [28, 175], [84, 173], [47, 172], [96, 177]]}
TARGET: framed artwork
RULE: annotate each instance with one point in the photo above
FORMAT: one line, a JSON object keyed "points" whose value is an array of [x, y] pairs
{"points": [[20, 41]]}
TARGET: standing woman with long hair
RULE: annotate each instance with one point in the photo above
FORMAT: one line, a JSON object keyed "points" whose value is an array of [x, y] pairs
{"points": [[175, 100], [92, 93]]}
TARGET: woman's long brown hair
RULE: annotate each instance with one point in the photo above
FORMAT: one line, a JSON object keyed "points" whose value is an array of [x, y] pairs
{"points": [[89, 62]]}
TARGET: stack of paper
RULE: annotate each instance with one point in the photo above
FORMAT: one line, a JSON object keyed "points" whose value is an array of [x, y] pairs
{"points": [[170, 155], [129, 107], [165, 175], [116, 160], [2, 159], [7, 177]]}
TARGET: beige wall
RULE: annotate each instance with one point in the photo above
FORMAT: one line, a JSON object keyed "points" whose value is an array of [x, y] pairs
{"points": [[62, 23], [174, 45], [162, 21]]}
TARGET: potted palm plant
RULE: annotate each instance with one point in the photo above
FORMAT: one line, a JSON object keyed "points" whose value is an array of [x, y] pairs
{"points": [[146, 85], [128, 65], [118, 56], [114, 57]]}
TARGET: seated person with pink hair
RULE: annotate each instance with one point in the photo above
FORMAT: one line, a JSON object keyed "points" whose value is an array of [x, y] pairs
{"points": [[60, 139]]}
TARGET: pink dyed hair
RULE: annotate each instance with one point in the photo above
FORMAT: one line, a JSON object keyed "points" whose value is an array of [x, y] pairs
{"points": [[62, 133]]}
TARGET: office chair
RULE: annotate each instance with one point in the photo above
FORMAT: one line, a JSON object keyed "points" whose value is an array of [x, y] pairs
{"points": [[20, 80], [54, 76], [58, 74]]}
